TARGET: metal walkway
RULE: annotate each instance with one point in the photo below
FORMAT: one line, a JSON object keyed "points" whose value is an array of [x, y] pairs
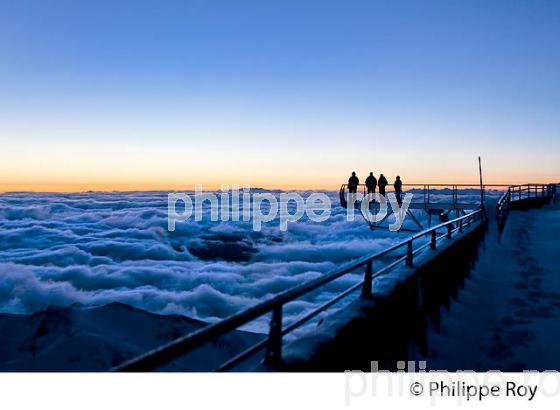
{"points": [[444, 201], [427, 193]]}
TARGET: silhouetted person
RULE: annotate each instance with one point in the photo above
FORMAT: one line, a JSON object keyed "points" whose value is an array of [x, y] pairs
{"points": [[353, 183], [371, 183], [382, 182], [398, 189]]}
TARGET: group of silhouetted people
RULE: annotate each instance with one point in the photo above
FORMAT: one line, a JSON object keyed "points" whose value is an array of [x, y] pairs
{"points": [[372, 183]]}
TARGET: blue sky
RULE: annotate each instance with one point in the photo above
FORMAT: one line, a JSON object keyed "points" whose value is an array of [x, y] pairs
{"points": [[118, 94]]}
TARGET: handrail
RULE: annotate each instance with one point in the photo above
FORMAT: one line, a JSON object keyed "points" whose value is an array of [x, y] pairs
{"points": [[185, 344], [449, 186], [423, 184], [426, 188], [517, 193]]}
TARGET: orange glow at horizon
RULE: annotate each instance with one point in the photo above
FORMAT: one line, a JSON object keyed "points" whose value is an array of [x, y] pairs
{"points": [[214, 184], [131, 168]]}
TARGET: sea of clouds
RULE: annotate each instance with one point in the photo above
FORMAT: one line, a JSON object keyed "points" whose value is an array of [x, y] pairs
{"points": [[96, 248]]}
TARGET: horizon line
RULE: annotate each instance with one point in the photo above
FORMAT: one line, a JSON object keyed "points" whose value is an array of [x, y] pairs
{"points": [[106, 188]]}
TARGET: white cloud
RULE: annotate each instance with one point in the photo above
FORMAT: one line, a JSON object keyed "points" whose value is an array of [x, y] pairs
{"points": [[96, 248]]}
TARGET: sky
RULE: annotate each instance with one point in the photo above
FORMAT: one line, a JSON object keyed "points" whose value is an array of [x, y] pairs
{"points": [[131, 95]]}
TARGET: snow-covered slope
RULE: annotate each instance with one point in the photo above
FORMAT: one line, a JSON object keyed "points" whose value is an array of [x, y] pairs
{"points": [[97, 338]]}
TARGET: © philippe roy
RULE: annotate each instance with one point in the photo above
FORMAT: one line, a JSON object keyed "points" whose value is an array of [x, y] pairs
{"points": [[479, 392]]}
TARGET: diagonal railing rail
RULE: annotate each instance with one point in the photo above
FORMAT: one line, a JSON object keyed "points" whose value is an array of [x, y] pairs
{"points": [[274, 306]]}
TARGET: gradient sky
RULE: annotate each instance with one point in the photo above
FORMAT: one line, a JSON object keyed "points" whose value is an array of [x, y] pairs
{"points": [[166, 94]]}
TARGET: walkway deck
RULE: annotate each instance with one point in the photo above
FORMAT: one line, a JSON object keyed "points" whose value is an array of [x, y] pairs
{"points": [[508, 315]]}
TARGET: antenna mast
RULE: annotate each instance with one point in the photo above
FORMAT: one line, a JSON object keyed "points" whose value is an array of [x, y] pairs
{"points": [[481, 186]]}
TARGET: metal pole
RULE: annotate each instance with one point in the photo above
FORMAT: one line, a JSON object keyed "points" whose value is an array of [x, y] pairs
{"points": [[481, 187]]}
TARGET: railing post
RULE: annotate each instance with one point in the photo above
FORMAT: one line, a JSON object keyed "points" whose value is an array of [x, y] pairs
{"points": [[461, 225], [449, 229], [274, 351], [409, 254], [433, 241], [454, 195], [368, 276]]}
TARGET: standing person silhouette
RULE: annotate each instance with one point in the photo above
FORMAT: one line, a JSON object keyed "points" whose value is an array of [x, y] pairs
{"points": [[353, 183], [398, 189], [371, 183], [382, 182]]}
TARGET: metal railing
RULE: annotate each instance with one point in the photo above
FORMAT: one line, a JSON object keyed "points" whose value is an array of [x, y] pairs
{"points": [[273, 343], [517, 193], [427, 190], [502, 208], [520, 192]]}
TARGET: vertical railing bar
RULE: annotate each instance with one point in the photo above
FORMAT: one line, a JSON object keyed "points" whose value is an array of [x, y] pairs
{"points": [[409, 254], [367, 285], [274, 351]]}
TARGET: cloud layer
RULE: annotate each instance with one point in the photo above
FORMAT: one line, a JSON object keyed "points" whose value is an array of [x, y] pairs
{"points": [[97, 248]]}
